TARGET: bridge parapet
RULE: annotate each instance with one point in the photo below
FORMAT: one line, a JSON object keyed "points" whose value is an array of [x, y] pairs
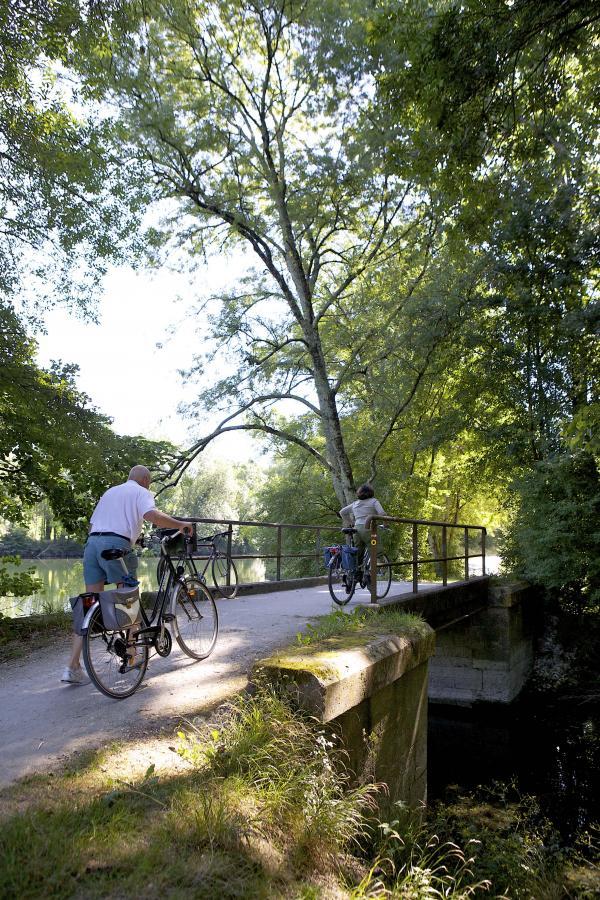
{"points": [[374, 694], [487, 656]]}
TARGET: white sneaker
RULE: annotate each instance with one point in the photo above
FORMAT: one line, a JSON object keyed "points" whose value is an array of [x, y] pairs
{"points": [[74, 676]]}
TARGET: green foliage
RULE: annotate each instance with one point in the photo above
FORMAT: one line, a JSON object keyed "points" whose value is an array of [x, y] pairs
{"points": [[53, 443], [290, 772], [215, 489], [265, 810], [66, 205], [17, 583], [392, 620], [554, 539], [479, 77], [413, 862], [17, 541], [510, 843]]}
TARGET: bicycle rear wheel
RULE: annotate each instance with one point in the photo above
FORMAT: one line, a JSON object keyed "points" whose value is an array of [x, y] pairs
{"points": [[384, 575], [196, 623], [105, 655], [220, 564], [341, 584]]}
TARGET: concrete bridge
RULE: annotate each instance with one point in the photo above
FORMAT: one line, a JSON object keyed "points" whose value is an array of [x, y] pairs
{"points": [[484, 631], [478, 648]]}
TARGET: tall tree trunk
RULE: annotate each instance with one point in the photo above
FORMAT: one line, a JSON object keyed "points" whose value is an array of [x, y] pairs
{"points": [[342, 477]]}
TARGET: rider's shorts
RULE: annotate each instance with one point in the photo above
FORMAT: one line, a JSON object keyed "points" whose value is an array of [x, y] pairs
{"points": [[110, 571]]}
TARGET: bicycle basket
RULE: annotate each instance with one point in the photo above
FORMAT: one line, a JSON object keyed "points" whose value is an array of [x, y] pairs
{"points": [[349, 558], [329, 553], [120, 608], [177, 543]]}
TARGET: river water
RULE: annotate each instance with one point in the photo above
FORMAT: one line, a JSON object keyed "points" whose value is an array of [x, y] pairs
{"points": [[546, 748], [63, 578]]}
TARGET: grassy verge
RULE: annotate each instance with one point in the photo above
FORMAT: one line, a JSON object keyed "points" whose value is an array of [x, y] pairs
{"points": [[362, 622], [259, 807], [25, 634]]}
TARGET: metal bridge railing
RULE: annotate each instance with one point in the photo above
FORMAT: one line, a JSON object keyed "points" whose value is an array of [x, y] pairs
{"points": [[415, 561]]}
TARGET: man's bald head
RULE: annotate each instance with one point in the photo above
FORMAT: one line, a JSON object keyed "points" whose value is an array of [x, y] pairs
{"points": [[141, 475]]}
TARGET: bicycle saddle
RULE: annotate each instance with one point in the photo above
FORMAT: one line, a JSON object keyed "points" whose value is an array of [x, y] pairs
{"points": [[114, 553], [348, 530]]}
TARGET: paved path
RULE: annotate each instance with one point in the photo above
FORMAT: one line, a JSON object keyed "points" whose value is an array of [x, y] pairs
{"points": [[42, 720]]}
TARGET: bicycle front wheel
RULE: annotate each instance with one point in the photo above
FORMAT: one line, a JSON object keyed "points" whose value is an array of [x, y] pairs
{"points": [[341, 584], [196, 623], [106, 660], [220, 564]]}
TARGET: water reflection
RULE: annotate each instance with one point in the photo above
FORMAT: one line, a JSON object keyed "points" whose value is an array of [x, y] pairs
{"points": [[63, 578], [548, 750]]}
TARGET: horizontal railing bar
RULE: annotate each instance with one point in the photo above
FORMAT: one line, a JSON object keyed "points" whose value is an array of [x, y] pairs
{"points": [[325, 527], [235, 556], [258, 524], [433, 559], [423, 522]]}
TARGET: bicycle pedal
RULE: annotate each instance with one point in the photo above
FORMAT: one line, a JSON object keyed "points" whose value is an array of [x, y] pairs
{"points": [[168, 617]]}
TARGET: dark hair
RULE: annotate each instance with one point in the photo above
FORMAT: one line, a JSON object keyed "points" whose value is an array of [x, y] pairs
{"points": [[365, 491]]}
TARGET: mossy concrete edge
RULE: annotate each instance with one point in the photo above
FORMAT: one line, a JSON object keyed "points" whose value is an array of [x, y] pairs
{"points": [[329, 682]]}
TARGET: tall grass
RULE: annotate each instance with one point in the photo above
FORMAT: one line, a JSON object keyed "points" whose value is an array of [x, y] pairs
{"points": [[338, 622], [266, 809], [287, 773]]}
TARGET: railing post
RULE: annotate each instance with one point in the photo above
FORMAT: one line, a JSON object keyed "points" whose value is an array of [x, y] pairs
{"points": [[415, 558], [483, 534], [278, 578], [317, 551], [466, 554], [373, 558], [229, 546], [444, 556]]}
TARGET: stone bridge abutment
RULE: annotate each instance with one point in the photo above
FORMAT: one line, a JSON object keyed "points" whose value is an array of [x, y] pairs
{"points": [[477, 647]]}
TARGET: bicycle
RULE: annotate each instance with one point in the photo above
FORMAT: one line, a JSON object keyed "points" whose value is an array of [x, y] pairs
{"points": [[343, 580], [116, 652], [221, 564]]}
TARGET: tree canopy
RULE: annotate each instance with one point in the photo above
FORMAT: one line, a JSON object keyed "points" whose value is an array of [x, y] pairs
{"points": [[417, 187], [53, 443]]}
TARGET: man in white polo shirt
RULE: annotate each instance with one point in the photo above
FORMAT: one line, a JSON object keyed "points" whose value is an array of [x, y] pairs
{"points": [[116, 522]]}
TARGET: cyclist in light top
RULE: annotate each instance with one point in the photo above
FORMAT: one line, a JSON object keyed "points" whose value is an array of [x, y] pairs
{"points": [[116, 523], [357, 513]]}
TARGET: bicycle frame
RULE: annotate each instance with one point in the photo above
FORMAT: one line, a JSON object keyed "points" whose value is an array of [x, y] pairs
{"points": [[153, 623]]}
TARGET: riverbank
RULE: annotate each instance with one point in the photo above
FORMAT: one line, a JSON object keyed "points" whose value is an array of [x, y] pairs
{"points": [[20, 637]]}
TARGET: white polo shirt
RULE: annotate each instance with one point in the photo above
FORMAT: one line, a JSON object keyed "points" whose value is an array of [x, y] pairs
{"points": [[121, 509]]}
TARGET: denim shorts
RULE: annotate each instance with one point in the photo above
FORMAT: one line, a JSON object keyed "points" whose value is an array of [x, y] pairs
{"points": [[110, 571]]}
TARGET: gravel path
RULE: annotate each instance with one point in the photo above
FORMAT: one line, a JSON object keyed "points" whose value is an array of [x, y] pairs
{"points": [[42, 721]]}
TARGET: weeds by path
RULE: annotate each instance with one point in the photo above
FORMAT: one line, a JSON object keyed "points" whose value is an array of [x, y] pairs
{"points": [[26, 634]]}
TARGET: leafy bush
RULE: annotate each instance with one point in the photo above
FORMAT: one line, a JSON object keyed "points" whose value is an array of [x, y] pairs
{"points": [[17, 584], [17, 541], [554, 539]]}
